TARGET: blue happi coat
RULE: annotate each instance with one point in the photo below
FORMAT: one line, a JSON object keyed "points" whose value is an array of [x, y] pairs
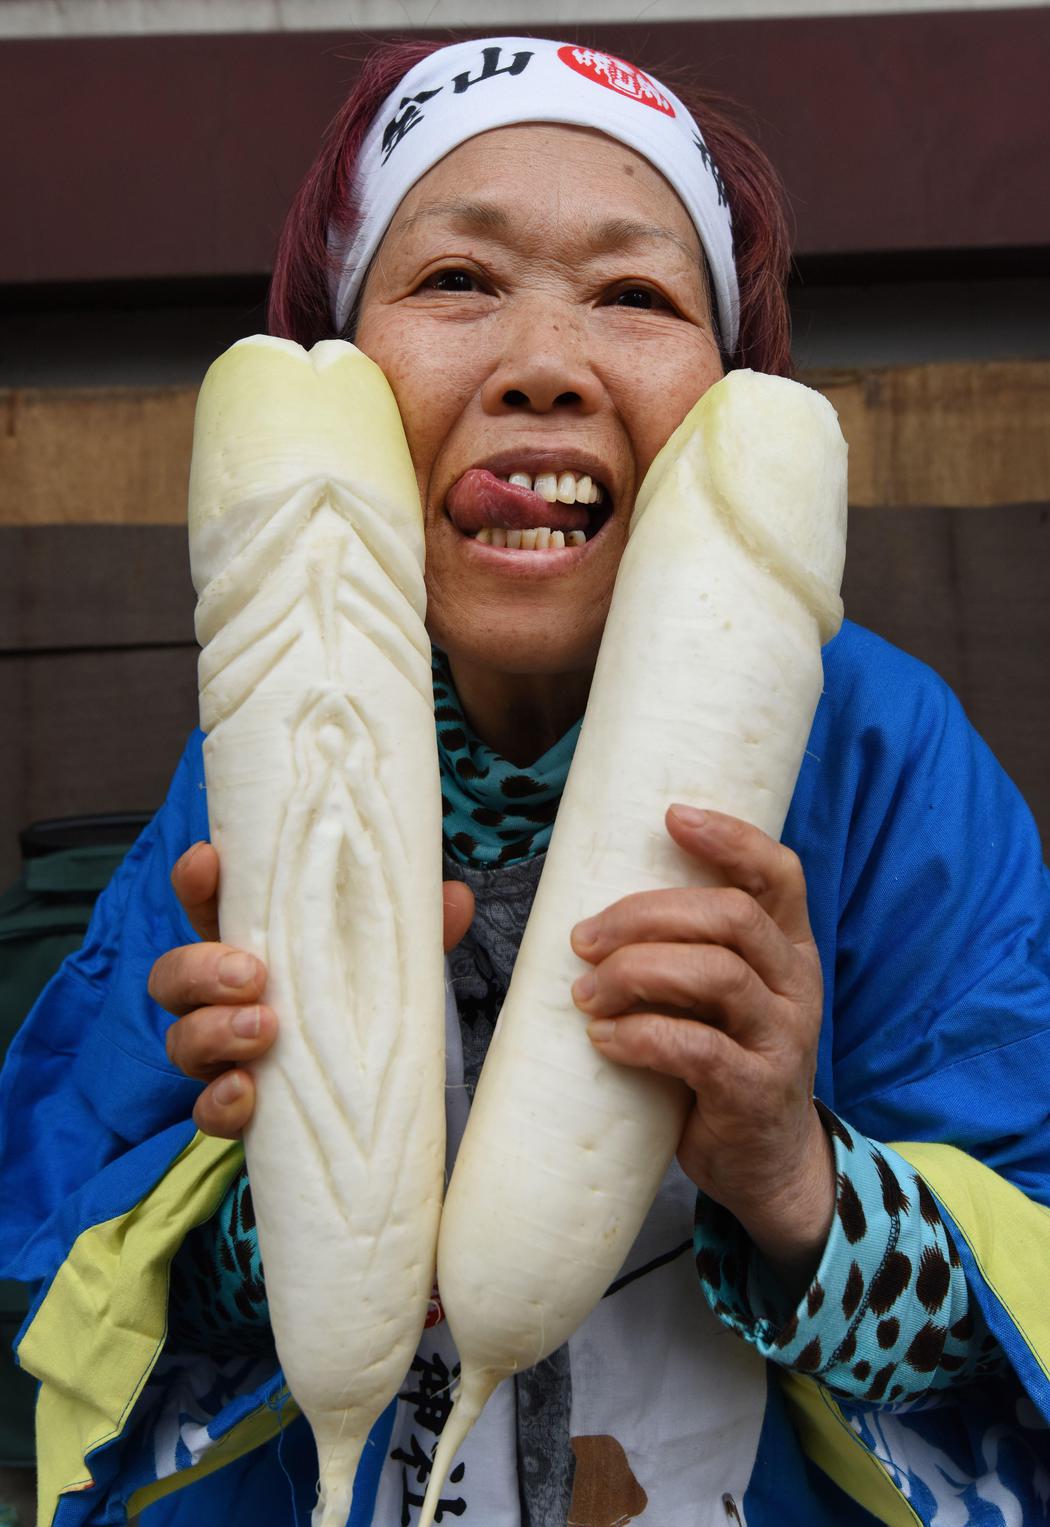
{"points": [[931, 909]]}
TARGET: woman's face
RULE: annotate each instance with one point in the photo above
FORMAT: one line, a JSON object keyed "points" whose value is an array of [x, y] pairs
{"points": [[538, 306]]}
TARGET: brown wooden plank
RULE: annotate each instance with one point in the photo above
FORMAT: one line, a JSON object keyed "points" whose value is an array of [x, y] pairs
{"points": [[959, 433], [89, 730], [95, 455], [178, 156]]}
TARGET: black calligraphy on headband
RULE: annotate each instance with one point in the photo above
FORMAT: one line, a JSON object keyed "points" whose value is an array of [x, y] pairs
{"points": [[409, 113]]}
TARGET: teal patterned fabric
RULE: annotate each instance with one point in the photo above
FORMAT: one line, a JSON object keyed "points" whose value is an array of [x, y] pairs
{"points": [[888, 1316], [494, 811], [217, 1299]]}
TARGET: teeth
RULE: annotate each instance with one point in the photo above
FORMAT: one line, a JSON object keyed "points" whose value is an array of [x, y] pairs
{"points": [[560, 487], [543, 539]]}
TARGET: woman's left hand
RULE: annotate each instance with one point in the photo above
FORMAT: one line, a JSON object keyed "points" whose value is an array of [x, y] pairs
{"points": [[722, 988]]}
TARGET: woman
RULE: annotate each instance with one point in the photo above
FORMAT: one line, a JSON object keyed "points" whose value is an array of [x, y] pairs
{"points": [[550, 260]]}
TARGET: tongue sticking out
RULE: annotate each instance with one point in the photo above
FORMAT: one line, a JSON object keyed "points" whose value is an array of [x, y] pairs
{"points": [[479, 499]]}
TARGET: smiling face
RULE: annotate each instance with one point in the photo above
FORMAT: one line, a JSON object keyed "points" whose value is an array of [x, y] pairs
{"points": [[539, 307]]}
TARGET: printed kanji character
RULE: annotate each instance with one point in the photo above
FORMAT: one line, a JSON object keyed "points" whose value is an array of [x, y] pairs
{"points": [[630, 83], [432, 1399], [408, 116], [712, 169], [490, 68], [422, 1465], [416, 1458]]}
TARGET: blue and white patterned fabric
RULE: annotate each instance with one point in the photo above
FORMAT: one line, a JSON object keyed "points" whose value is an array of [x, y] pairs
{"points": [[888, 1315]]}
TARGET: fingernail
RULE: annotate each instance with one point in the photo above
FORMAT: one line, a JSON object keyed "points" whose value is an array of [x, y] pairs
{"points": [[229, 1089], [584, 987], [191, 853], [236, 969], [586, 932], [690, 815], [602, 1029], [246, 1023]]}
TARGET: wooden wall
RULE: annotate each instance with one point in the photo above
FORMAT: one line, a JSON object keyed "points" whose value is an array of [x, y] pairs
{"points": [[949, 541]]}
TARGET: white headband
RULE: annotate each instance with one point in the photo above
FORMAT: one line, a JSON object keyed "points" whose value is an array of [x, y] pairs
{"points": [[472, 87]]}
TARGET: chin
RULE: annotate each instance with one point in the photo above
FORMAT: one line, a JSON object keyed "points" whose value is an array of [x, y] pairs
{"points": [[514, 648]]}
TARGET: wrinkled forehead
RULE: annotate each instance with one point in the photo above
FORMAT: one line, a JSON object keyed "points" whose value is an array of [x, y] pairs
{"points": [[526, 174]]}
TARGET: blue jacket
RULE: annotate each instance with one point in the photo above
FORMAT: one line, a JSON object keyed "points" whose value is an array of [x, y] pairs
{"points": [[931, 908]]}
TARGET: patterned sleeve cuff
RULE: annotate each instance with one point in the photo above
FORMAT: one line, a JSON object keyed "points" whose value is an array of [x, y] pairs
{"points": [[888, 1315]]}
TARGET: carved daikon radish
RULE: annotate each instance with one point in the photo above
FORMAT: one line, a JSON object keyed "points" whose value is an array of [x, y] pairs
{"points": [[704, 693], [324, 804]]}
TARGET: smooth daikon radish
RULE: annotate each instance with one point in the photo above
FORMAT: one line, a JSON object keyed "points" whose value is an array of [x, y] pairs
{"points": [[704, 693], [325, 807]]}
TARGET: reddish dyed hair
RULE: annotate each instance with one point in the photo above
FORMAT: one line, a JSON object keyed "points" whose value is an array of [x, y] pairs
{"points": [[300, 304]]}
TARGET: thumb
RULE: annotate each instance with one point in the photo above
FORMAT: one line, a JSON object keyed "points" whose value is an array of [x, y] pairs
{"points": [[458, 902]]}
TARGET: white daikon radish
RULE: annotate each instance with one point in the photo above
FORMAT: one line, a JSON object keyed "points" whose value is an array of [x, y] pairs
{"points": [[704, 693], [325, 807]]}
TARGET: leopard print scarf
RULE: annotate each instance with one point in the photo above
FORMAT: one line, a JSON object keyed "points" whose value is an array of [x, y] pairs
{"points": [[494, 811]]}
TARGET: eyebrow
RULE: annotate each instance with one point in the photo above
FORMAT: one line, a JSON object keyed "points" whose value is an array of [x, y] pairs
{"points": [[486, 218]]}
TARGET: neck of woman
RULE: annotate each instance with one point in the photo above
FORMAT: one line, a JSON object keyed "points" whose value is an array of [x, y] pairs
{"points": [[519, 715]]}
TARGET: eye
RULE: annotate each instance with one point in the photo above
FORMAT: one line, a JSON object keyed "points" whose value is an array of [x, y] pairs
{"points": [[645, 298], [453, 280]]}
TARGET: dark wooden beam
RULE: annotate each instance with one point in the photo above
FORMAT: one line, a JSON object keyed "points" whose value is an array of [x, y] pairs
{"points": [[177, 156]]}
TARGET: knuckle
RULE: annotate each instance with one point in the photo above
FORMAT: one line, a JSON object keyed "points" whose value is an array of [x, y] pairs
{"points": [[742, 909], [619, 968], [659, 1042], [200, 1042], [174, 980], [752, 880], [728, 973], [621, 920], [735, 831]]}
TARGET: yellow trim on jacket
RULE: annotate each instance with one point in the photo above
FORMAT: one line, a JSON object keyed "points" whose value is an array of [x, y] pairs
{"points": [[101, 1327], [982, 1205], [102, 1324]]}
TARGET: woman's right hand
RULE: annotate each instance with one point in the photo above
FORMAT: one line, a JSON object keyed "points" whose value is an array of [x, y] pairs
{"points": [[214, 992]]}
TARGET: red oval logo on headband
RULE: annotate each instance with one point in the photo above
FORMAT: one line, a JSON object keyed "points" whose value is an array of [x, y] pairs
{"points": [[615, 74]]}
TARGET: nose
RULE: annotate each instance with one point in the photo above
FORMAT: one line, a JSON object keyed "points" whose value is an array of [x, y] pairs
{"points": [[544, 366]]}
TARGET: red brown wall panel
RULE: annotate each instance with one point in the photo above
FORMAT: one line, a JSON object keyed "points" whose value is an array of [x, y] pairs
{"points": [[176, 156]]}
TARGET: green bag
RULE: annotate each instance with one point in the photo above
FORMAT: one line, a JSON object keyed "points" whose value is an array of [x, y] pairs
{"points": [[43, 917]]}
